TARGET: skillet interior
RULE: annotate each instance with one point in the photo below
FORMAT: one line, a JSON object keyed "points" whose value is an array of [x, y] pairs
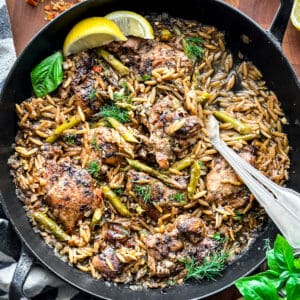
{"points": [[262, 51]]}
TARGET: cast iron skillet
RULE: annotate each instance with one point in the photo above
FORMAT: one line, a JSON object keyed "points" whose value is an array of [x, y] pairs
{"points": [[264, 50]]}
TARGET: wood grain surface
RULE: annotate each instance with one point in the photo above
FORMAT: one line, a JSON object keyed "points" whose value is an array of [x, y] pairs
{"points": [[26, 20]]}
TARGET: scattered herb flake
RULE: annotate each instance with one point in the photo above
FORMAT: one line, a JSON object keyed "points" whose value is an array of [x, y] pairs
{"points": [[94, 144], [70, 138], [118, 191], [178, 197], [93, 167], [146, 77], [144, 192], [115, 112], [91, 95], [192, 47]]}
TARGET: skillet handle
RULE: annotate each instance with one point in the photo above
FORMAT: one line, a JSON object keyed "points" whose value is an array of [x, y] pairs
{"points": [[281, 20], [22, 270]]}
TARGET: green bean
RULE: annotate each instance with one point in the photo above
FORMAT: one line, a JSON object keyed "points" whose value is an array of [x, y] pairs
{"points": [[182, 164], [195, 175], [97, 215], [125, 133], [246, 137], [115, 201], [61, 128], [114, 62], [139, 166], [237, 124], [51, 226]]}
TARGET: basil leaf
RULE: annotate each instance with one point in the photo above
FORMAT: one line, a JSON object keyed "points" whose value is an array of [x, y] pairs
{"points": [[283, 253], [47, 75], [293, 288], [256, 287], [273, 277], [272, 261], [297, 264]]}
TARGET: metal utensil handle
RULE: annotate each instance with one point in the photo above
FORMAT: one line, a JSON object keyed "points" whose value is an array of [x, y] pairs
{"points": [[283, 209], [281, 19]]}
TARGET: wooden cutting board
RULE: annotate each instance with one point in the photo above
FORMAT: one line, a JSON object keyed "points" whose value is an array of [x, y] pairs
{"points": [[26, 20]]}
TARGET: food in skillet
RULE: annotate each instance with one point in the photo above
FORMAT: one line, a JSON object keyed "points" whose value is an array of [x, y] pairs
{"points": [[115, 168]]}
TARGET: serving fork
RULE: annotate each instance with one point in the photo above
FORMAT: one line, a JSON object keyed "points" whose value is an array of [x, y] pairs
{"points": [[281, 204]]}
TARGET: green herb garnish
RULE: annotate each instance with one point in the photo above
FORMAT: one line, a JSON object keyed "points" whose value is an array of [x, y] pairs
{"points": [[94, 167], [144, 192], [280, 281], [192, 47], [124, 94], [94, 144], [178, 197], [47, 75], [70, 138], [146, 77], [211, 266], [219, 238], [115, 112], [118, 191], [91, 95]]}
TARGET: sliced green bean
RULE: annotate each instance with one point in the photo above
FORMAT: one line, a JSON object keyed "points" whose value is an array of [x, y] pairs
{"points": [[50, 225], [115, 201], [195, 175], [182, 164], [113, 61], [97, 215], [125, 133], [61, 128], [139, 166], [237, 124]]}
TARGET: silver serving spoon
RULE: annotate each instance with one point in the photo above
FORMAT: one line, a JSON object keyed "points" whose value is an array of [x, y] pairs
{"points": [[281, 204]]}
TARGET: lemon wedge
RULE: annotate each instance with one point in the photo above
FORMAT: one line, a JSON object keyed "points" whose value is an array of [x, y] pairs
{"points": [[295, 15], [90, 33], [132, 23]]}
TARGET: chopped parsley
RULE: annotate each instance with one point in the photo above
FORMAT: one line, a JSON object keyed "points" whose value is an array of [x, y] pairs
{"points": [[144, 192], [192, 47], [219, 238], [115, 112]]}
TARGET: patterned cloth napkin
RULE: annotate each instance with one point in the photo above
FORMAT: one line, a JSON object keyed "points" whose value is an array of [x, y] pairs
{"points": [[40, 283]]}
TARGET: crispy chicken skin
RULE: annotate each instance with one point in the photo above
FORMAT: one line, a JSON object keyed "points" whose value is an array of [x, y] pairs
{"points": [[164, 249], [70, 193], [104, 145], [158, 193], [223, 185], [145, 55], [162, 116], [84, 82]]}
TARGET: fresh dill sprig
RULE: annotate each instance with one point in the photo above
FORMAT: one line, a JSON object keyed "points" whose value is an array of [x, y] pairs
{"points": [[192, 47], [93, 167], [219, 238], [144, 192], [91, 95], [70, 138], [94, 144], [146, 77], [179, 197], [115, 112], [211, 267], [118, 191]]}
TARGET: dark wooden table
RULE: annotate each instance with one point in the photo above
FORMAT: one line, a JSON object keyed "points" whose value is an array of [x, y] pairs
{"points": [[27, 20]]}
